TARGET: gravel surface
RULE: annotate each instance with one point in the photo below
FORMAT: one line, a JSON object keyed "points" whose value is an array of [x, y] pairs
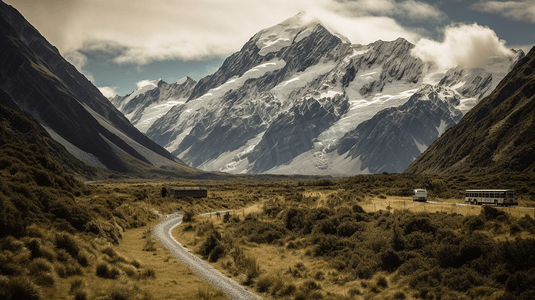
{"points": [[162, 233]]}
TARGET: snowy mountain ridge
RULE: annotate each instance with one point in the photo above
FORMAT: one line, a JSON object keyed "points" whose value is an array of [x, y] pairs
{"points": [[291, 101]]}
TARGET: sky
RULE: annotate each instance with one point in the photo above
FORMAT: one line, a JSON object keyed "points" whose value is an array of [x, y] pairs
{"points": [[119, 44]]}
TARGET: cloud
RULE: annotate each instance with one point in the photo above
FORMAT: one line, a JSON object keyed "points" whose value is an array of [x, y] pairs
{"points": [[466, 45], [79, 60], [107, 91], [145, 82], [408, 9], [139, 31], [516, 10]]}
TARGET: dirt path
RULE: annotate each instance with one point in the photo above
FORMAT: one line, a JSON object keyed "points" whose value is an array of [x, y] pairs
{"points": [[233, 290]]}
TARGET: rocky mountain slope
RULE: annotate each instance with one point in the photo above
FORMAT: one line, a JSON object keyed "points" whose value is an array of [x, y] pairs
{"points": [[153, 100], [291, 99], [73, 111], [17, 127], [497, 135]]}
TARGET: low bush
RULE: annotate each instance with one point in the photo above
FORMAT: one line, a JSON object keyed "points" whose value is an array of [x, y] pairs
{"points": [[68, 243], [104, 270], [22, 288]]}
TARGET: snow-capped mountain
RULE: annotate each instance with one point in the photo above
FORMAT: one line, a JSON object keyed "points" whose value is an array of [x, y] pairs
{"points": [[292, 99], [152, 100], [496, 136], [395, 136], [71, 109]]}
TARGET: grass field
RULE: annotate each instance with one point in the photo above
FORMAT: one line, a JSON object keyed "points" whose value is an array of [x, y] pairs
{"points": [[259, 249]]}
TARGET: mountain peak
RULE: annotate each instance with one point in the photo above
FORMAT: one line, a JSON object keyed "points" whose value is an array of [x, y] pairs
{"points": [[291, 30]]}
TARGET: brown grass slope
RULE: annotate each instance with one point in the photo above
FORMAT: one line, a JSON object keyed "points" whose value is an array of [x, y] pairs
{"points": [[497, 135]]}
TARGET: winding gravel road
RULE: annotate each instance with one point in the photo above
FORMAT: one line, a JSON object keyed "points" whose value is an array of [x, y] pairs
{"points": [[162, 233]]}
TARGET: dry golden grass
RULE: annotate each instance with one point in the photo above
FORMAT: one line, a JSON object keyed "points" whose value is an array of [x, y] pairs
{"points": [[173, 280]]}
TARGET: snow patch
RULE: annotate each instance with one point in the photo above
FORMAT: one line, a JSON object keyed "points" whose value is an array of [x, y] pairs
{"points": [[301, 79], [421, 147], [441, 128], [142, 87], [234, 162], [182, 80], [466, 104], [155, 111], [324, 163], [172, 146], [282, 35], [361, 110]]}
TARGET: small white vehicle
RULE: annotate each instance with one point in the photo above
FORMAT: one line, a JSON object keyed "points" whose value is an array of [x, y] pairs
{"points": [[419, 195]]}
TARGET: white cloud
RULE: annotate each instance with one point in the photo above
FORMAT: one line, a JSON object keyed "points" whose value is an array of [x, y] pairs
{"points": [[139, 31], [145, 82], [410, 9], [466, 45], [79, 60], [516, 10], [107, 91]]}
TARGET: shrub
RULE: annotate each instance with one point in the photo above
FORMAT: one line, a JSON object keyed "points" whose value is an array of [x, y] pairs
{"points": [[287, 290], [40, 265], [68, 243], [77, 284], [382, 281], [216, 253], [347, 228], [105, 271], [209, 244], [491, 213], [148, 273], [45, 279], [187, 216], [263, 283], [83, 258], [81, 294], [310, 285], [150, 245], [226, 217], [22, 288], [129, 270]]}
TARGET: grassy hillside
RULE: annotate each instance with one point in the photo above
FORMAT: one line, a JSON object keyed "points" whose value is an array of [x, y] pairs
{"points": [[497, 135], [59, 236]]}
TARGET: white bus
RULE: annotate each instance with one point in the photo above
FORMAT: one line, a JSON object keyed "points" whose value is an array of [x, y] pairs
{"points": [[419, 195], [496, 197]]}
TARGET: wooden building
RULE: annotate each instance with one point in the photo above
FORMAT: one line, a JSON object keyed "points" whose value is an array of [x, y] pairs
{"points": [[188, 191]]}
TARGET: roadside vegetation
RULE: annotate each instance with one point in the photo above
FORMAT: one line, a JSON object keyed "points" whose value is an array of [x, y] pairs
{"points": [[284, 237], [314, 240], [61, 238]]}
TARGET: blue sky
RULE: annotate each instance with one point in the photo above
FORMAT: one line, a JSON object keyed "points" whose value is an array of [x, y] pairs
{"points": [[118, 43]]}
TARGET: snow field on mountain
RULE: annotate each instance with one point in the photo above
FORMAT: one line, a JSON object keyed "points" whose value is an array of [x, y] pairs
{"points": [[331, 164], [155, 111], [234, 162], [300, 80], [143, 87]]}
